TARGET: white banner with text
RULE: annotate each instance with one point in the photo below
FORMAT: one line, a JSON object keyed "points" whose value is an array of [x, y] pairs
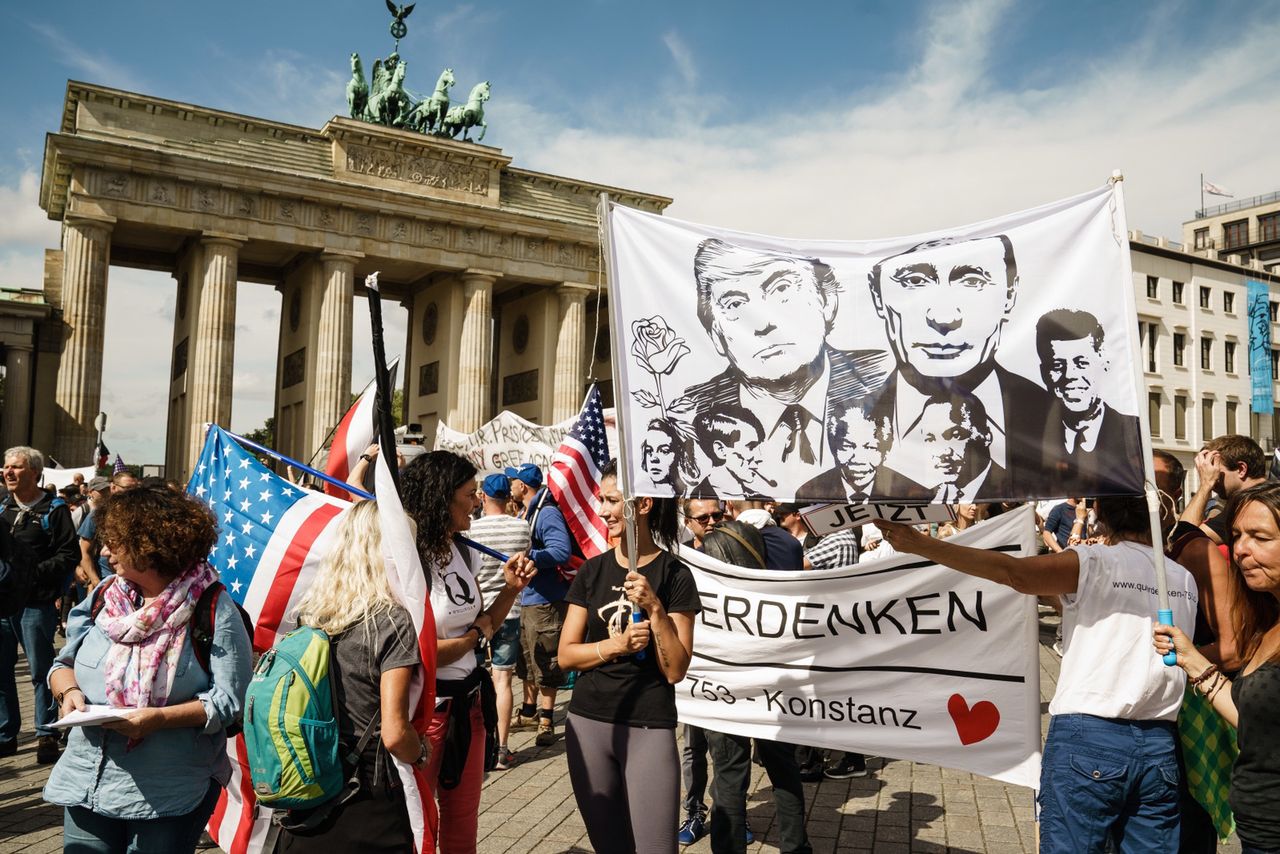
{"points": [[899, 658]]}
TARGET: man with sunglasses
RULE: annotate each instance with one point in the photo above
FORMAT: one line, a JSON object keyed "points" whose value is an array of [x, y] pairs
{"points": [[701, 515]]}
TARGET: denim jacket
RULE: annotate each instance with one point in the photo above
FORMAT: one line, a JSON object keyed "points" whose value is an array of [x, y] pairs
{"points": [[168, 772]]}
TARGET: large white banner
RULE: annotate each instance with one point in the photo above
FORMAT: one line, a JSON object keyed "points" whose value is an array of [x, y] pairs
{"points": [[898, 658], [988, 362]]}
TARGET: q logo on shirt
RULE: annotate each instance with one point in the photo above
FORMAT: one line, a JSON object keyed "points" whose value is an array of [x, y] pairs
{"points": [[458, 591]]}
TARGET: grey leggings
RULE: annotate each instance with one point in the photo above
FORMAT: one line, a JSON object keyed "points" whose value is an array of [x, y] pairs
{"points": [[625, 778]]}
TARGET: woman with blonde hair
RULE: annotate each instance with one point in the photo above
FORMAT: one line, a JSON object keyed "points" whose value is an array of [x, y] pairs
{"points": [[373, 656]]}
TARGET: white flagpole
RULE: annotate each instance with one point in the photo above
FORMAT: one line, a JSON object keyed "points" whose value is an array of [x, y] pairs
{"points": [[621, 410], [1120, 227]]}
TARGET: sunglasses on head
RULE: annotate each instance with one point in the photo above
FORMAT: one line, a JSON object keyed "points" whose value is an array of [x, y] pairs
{"points": [[702, 520]]}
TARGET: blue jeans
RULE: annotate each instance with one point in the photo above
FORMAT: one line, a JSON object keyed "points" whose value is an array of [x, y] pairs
{"points": [[33, 628], [505, 644], [1105, 779], [86, 832]]}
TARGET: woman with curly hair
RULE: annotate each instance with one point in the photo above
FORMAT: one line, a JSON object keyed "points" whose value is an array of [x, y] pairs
{"points": [[620, 733], [439, 492], [149, 781]]}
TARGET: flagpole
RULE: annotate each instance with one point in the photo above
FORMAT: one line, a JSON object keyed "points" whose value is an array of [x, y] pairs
{"points": [[360, 493], [1164, 613], [1201, 211], [386, 430], [621, 415]]}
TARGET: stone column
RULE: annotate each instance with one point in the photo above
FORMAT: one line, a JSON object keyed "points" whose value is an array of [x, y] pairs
{"points": [[15, 424], [86, 246], [332, 360], [213, 345], [571, 370], [475, 355]]}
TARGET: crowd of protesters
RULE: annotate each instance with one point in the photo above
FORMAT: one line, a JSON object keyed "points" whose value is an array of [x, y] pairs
{"points": [[122, 564]]}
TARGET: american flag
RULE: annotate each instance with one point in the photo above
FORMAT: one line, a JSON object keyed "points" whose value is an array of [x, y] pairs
{"points": [[574, 481], [272, 535]]}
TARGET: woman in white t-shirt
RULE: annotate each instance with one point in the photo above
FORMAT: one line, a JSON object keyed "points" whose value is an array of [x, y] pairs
{"points": [[439, 492], [1110, 769]]}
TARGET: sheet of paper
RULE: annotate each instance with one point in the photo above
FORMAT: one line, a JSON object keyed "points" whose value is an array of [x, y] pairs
{"points": [[91, 716]]}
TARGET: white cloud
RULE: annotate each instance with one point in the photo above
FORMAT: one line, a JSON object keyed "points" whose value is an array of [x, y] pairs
{"points": [[23, 221], [682, 57]]}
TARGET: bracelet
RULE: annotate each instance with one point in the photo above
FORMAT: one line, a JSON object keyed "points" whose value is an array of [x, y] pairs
{"points": [[599, 653], [1205, 674], [479, 634], [422, 753], [1217, 686], [61, 694], [1210, 685]]}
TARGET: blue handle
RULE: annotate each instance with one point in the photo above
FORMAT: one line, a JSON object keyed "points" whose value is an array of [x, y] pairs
{"points": [[637, 617], [1165, 616]]}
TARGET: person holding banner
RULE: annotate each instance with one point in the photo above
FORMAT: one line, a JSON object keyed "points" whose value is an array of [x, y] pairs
{"points": [[620, 732], [1110, 768], [439, 493], [1249, 701]]}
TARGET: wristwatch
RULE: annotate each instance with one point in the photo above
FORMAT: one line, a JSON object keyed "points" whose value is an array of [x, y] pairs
{"points": [[422, 754], [366, 458]]}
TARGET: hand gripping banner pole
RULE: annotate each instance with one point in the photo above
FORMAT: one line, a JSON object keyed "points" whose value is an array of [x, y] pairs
{"points": [[386, 427], [1121, 232], [616, 329]]}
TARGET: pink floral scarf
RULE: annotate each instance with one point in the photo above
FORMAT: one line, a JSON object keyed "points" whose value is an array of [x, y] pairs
{"points": [[147, 640]]}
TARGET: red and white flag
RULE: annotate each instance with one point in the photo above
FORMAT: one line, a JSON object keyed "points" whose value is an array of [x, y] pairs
{"points": [[1214, 190], [574, 480], [408, 582], [354, 433]]}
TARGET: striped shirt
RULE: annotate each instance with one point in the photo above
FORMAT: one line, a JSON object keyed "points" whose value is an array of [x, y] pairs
{"points": [[508, 535]]}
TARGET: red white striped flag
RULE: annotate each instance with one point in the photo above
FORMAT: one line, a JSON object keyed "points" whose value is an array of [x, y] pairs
{"points": [[574, 480], [354, 433], [409, 582]]}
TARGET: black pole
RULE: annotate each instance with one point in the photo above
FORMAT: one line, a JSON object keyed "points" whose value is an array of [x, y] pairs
{"points": [[386, 429]]}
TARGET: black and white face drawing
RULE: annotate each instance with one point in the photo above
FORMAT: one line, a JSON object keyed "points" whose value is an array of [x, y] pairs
{"points": [[767, 313], [731, 440], [944, 302], [951, 434], [1072, 360], [860, 439]]}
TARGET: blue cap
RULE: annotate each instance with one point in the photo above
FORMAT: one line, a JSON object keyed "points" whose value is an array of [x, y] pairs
{"points": [[528, 474], [497, 486]]}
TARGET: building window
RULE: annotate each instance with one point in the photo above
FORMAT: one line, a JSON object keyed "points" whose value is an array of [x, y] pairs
{"points": [[1275, 365], [1228, 302], [1153, 412], [1179, 417], [1179, 344], [1205, 295], [1231, 417], [1273, 311], [1235, 234], [1206, 419], [1269, 227], [1153, 333], [1153, 287], [1177, 292], [1229, 353], [1202, 238], [1206, 354]]}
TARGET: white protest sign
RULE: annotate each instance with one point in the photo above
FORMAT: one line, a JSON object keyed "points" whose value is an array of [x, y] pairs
{"points": [[899, 658], [509, 440], [829, 518]]}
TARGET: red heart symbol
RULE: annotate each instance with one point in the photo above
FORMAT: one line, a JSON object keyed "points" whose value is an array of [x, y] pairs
{"points": [[975, 723]]}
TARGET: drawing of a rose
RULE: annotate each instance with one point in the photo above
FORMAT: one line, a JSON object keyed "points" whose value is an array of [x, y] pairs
{"points": [[656, 346]]}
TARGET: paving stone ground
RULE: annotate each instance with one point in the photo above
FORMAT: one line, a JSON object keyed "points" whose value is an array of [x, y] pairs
{"points": [[899, 807]]}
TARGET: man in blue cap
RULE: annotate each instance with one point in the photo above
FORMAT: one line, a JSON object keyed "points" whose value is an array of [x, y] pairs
{"points": [[498, 530], [542, 604]]}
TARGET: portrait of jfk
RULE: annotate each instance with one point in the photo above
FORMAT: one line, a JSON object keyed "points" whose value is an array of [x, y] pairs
{"points": [[769, 315]]}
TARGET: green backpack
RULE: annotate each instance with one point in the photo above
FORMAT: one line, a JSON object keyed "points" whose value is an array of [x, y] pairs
{"points": [[291, 723]]}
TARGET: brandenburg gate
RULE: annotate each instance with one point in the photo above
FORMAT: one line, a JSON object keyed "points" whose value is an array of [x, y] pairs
{"points": [[497, 266]]}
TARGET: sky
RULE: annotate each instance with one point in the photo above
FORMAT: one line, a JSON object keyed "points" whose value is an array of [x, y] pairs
{"points": [[837, 120]]}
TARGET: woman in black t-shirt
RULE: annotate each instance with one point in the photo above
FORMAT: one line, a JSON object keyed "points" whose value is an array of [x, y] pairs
{"points": [[1249, 701], [620, 734]]}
